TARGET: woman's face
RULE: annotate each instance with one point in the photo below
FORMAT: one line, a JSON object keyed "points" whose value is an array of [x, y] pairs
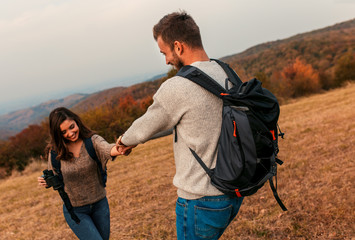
{"points": [[69, 130]]}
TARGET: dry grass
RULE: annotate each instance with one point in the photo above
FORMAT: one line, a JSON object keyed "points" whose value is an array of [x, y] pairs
{"points": [[315, 183]]}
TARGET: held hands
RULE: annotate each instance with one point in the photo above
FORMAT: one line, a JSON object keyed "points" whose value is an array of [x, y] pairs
{"points": [[123, 149]]}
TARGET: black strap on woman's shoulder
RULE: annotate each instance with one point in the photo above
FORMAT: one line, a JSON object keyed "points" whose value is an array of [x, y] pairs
{"points": [[92, 153], [90, 149], [56, 164]]}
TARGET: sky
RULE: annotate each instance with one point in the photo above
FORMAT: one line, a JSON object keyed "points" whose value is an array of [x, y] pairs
{"points": [[50, 49]]}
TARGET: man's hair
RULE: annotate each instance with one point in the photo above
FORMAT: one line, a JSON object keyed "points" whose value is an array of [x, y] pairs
{"points": [[178, 26]]}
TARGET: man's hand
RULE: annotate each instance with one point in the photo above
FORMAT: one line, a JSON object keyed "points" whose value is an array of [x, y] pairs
{"points": [[123, 149]]}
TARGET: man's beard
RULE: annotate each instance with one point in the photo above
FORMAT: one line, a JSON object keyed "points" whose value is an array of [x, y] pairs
{"points": [[178, 64]]}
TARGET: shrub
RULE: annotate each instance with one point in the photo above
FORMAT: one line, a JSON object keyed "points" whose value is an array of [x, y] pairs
{"points": [[298, 79], [345, 68]]}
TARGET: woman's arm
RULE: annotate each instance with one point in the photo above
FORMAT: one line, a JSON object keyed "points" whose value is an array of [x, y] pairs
{"points": [[105, 151]]}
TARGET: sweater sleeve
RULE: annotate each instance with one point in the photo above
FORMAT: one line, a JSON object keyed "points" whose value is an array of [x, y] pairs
{"points": [[102, 148], [162, 115]]}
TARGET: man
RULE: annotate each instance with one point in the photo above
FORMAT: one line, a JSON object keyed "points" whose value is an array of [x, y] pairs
{"points": [[202, 211]]}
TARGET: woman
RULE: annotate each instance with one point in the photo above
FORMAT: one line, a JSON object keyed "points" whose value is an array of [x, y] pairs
{"points": [[82, 180]]}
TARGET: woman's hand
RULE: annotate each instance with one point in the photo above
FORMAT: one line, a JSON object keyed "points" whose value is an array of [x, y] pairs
{"points": [[114, 152], [123, 149], [42, 182]]}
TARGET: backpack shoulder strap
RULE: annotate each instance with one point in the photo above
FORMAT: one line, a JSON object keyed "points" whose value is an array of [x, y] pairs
{"points": [[199, 77], [92, 153], [56, 164], [91, 150], [232, 75], [203, 165]]}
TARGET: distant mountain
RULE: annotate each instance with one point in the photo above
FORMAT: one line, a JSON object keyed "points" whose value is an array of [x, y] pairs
{"points": [[112, 96], [320, 48], [97, 99], [14, 122]]}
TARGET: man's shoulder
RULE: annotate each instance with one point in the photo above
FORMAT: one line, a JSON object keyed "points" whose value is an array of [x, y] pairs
{"points": [[177, 89], [176, 83], [212, 69]]}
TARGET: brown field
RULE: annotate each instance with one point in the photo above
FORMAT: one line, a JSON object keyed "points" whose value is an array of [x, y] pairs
{"points": [[315, 183]]}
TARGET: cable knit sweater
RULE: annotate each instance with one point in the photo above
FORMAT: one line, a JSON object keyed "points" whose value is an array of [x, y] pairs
{"points": [[197, 115], [82, 180]]}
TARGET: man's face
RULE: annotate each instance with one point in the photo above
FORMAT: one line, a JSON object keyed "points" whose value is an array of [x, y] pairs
{"points": [[171, 58]]}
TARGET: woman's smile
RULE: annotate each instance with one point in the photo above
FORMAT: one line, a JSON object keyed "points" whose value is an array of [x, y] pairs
{"points": [[70, 130]]}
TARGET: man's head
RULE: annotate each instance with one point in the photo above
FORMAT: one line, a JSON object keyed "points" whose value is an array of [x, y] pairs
{"points": [[176, 34], [178, 26]]}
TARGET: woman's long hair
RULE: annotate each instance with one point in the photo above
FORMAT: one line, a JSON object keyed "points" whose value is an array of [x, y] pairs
{"points": [[58, 143]]}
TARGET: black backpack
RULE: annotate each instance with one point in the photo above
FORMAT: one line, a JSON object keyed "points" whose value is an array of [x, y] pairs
{"points": [[248, 144], [91, 151]]}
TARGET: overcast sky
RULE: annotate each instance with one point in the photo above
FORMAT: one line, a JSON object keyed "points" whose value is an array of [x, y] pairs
{"points": [[52, 48]]}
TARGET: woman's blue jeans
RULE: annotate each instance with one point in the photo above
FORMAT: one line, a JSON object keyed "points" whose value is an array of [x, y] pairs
{"points": [[94, 220], [205, 218]]}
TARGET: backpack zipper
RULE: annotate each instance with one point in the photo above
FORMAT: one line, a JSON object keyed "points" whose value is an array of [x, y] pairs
{"points": [[236, 135]]}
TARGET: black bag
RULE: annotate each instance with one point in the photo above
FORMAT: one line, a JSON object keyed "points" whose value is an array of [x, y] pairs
{"points": [[91, 151], [248, 144]]}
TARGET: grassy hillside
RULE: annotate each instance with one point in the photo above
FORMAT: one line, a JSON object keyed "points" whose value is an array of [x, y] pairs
{"points": [[315, 183]]}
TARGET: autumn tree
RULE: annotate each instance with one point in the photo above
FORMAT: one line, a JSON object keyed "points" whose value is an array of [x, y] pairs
{"points": [[262, 77], [146, 102], [298, 79], [171, 73], [17, 152], [345, 68], [7, 162], [112, 120]]}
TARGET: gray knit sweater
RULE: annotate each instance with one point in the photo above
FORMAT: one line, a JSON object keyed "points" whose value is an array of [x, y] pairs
{"points": [[197, 114]]}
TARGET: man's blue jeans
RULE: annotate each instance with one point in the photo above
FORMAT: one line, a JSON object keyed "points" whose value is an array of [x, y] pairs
{"points": [[94, 221], [205, 218]]}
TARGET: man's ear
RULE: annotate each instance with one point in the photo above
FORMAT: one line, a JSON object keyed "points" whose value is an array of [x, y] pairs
{"points": [[178, 48]]}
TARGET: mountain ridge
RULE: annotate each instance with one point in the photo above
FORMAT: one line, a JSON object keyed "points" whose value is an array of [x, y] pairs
{"points": [[15, 121], [321, 48], [263, 46]]}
